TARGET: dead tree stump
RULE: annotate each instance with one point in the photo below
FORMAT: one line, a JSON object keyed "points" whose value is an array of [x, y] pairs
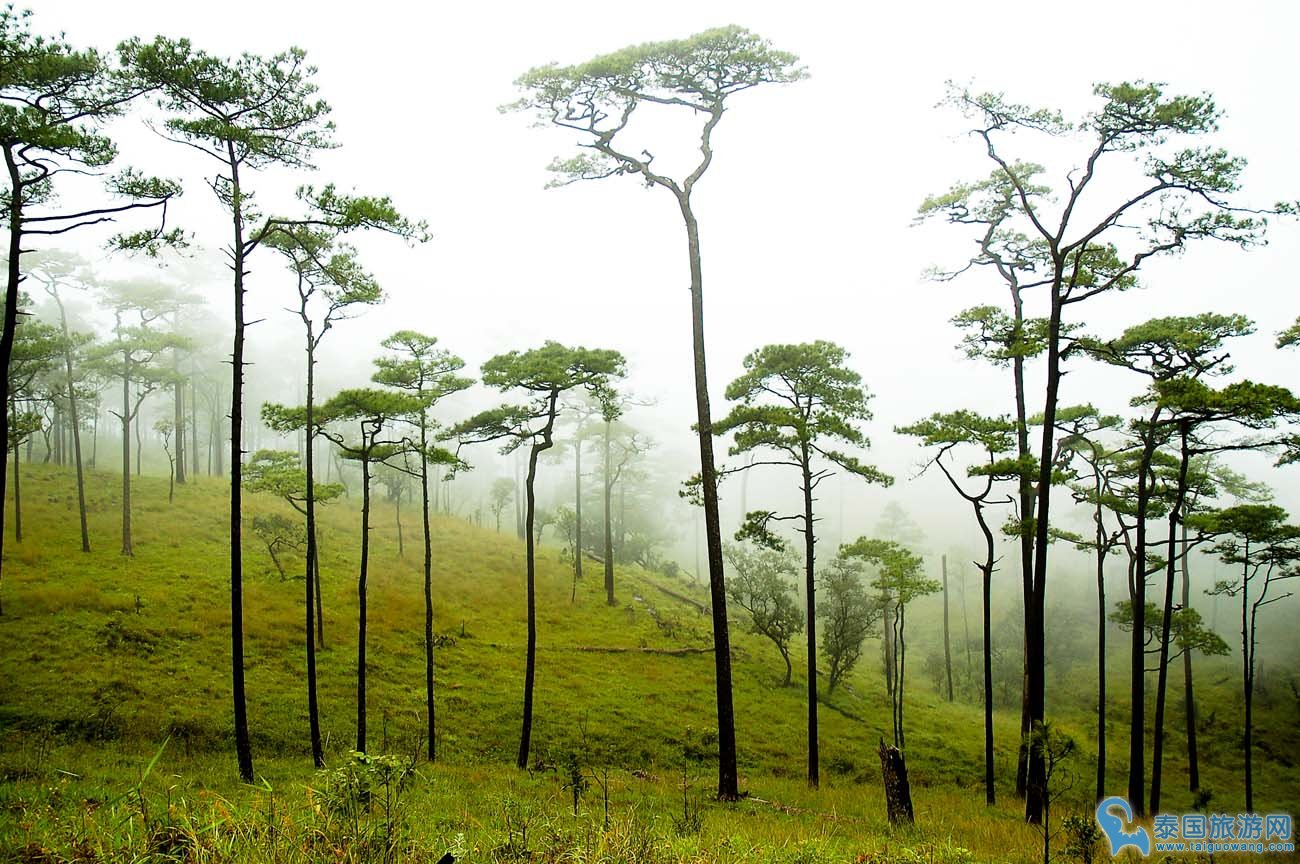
{"points": [[898, 792]]}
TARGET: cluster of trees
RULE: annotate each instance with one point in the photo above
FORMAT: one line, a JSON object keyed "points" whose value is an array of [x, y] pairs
{"points": [[1059, 246], [798, 408]]}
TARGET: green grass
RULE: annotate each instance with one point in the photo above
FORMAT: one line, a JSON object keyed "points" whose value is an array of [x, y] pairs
{"points": [[102, 657]]}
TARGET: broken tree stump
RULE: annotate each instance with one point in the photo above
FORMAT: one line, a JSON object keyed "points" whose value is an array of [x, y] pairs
{"points": [[898, 792]]}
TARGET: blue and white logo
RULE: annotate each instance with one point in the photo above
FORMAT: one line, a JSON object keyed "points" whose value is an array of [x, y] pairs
{"points": [[1114, 827], [1195, 832]]}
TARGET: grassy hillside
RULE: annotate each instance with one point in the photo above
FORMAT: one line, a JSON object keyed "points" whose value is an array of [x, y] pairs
{"points": [[102, 657]]}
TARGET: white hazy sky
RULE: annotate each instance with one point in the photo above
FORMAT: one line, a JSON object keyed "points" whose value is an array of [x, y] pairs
{"points": [[806, 214]]}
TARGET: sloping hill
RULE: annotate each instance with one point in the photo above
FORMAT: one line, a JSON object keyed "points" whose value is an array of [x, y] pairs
{"points": [[100, 647]]}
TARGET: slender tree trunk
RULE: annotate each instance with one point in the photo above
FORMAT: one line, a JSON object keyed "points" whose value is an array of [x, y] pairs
{"points": [[10, 326], [219, 426], [76, 424], [178, 467], [18, 489], [429, 706], [1248, 680], [620, 540], [194, 425], [530, 552], [1189, 698], [887, 645], [243, 746], [609, 523], [138, 446], [947, 642], [965, 623], [810, 588], [397, 514], [310, 568], [577, 513], [1166, 624], [320, 613], [361, 589], [1025, 493], [1137, 659], [127, 548], [986, 595], [56, 429], [728, 789], [519, 503], [900, 654], [1035, 609], [1100, 539]]}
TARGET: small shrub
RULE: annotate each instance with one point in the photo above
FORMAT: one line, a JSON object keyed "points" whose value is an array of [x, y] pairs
{"points": [[1082, 838]]}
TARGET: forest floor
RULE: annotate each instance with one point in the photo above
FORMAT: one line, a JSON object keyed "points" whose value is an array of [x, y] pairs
{"points": [[115, 729]]}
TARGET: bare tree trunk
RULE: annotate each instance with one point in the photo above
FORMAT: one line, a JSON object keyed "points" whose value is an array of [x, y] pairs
{"points": [[530, 513], [76, 425], [1189, 698], [810, 589], [243, 745], [577, 513], [1166, 625], [361, 595], [178, 469], [194, 426], [609, 526], [138, 446], [1101, 648], [397, 514], [898, 791], [990, 791], [728, 789], [18, 496], [887, 645], [311, 568], [428, 589], [10, 324], [947, 643], [1248, 681], [126, 455], [1137, 659], [1035, 609]]}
